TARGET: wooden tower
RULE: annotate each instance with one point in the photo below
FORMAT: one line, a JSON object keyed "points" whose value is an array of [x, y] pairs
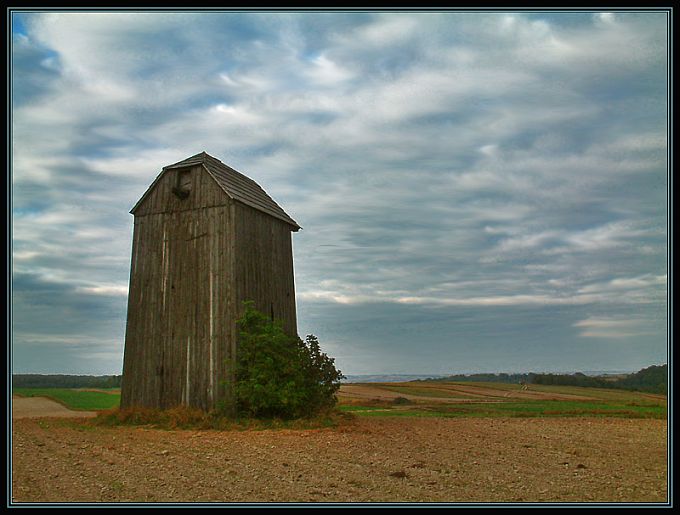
{"points": [[206, 238]]}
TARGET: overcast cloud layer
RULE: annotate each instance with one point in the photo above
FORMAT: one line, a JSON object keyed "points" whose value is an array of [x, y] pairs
{"points": [[477, 191]]}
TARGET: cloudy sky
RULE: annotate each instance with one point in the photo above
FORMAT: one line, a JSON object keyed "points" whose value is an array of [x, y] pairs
{"points": [[478, 191]]}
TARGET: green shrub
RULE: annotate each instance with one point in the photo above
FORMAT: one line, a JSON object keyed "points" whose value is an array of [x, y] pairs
{"points": [[278, 375]]}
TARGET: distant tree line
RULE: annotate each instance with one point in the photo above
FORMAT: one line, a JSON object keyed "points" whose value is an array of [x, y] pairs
{"points": [[64, 381], [577, 379], [652, 379], [486, 378]]}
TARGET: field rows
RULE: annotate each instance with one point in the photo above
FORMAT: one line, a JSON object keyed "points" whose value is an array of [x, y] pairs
{"points": [[424, 399]]}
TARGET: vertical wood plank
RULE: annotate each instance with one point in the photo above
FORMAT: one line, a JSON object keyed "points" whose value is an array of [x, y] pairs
{"points": [[194, 262]]}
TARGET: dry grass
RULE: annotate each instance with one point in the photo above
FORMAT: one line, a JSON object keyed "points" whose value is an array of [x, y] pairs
{"points": [[183, 417]]}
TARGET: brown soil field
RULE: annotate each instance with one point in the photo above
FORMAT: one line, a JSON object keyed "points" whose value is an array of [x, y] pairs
{"points": [[25, 407], [469, 393], [393, 459]]}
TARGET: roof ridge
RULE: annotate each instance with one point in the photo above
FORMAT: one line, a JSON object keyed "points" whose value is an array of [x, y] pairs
{"points": [[246, 193], [235, 184], [232, 169]]}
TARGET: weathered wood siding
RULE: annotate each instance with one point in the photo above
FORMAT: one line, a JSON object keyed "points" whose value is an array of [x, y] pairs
{"points": [[194, 261], [263, 264], [204, 193]]}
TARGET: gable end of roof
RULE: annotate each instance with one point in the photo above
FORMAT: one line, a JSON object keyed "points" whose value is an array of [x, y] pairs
{"points": [[236, 185]]}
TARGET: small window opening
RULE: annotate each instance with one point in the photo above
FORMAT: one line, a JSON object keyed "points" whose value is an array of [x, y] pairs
{"points": [[183, 184]]}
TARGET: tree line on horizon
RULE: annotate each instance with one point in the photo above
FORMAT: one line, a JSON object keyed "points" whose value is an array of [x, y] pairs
{"points": [[65, 381], [653, 379]]}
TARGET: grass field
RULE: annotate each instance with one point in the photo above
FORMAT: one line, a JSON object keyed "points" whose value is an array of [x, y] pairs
{"points": [[514, 409], [497, 400], [74, 398]]}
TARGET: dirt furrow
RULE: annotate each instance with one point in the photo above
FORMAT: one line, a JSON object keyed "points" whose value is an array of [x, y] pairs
{"points": [[368, 460]]}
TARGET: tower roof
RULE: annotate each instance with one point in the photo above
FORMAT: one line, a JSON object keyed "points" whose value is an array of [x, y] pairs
{"points": [[236, 185]]}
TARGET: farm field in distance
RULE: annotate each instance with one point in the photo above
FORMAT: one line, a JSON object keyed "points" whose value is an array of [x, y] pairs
{"points": [[471, 399], [85, 399], [435, 399], [407, 442]]}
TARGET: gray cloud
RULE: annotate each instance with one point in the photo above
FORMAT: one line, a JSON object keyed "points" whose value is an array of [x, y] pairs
{"points": [[61, 329], [504, 166]]}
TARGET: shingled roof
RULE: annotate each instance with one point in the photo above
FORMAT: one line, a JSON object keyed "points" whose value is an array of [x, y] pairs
{"points": [[239, 187]]}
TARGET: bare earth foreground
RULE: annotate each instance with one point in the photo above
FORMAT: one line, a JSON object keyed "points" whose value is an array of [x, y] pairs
{"points": [[367, 460]]}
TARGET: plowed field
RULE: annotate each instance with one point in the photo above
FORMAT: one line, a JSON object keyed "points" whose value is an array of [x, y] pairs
{"points": [[365, 460]]}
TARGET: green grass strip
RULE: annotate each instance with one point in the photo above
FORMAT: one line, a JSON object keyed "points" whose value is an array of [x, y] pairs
{"points": [[74, 399]]}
